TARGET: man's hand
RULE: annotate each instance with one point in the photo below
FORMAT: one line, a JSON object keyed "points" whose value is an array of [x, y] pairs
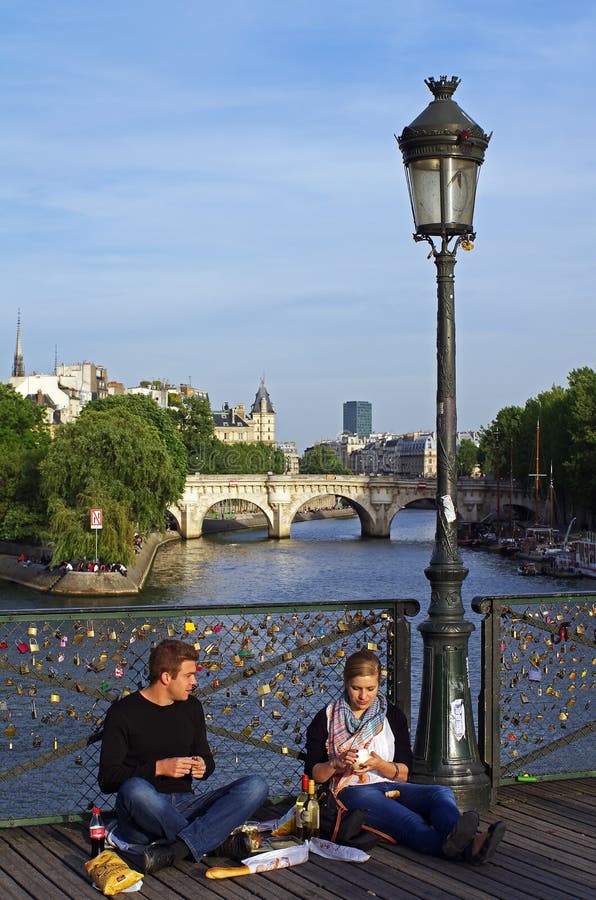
{"points": [[199, 767], [175, 766]]}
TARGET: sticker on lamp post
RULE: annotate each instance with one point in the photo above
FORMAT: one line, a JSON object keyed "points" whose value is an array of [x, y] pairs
{"points": [[96, 524], [458, 719]]}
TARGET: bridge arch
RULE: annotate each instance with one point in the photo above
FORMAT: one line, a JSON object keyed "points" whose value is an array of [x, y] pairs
{"points": [[191, 516], [362, 509]]}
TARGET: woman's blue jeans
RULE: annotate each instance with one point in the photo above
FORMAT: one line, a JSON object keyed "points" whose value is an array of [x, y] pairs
{"points": [[421, 818], [201, 821]]}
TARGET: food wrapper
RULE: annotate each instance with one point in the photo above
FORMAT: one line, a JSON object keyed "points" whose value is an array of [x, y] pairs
{"points": [[334, 851], [263, 862], [111, 874], [285, 825]]}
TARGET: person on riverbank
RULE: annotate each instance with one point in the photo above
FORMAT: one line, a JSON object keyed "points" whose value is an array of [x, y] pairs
{"points": [[154, 744], [423, 817]]}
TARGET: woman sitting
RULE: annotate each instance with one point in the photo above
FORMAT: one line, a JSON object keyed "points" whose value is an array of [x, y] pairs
{"points": [[423, 817]]}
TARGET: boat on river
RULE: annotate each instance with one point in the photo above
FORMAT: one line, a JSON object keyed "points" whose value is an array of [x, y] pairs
{"points": [[585, 555], [577, 559]]}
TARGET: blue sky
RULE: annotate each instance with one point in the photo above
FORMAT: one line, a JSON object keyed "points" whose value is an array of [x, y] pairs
{"points": [[214, 192]]}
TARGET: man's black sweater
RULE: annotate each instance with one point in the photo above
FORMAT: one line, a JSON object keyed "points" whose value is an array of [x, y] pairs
{"points": [[138, 732]]}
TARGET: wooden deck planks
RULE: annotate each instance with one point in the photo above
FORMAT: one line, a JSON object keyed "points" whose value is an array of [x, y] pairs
{"points": [[549, 851]]}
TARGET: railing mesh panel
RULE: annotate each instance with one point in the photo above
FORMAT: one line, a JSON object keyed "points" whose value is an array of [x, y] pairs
{"points": [[545, 667], [263, 672]]}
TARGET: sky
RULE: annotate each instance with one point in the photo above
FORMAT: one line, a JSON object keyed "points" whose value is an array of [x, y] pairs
{"points": [[213, 192]]}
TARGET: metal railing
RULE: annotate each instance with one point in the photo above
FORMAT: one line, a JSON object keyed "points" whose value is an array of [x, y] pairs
{"points": [[536, 719], [263, 673]]}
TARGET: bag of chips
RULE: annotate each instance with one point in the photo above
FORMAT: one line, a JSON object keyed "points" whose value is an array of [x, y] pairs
{"points": [[285, 825], [111, 874]]}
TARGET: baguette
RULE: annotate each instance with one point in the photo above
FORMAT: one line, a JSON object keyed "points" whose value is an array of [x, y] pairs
{"points": [[227, 871]]}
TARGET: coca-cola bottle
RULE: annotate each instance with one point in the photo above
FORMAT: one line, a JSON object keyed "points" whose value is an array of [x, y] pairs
{"points": [[97, 832]]}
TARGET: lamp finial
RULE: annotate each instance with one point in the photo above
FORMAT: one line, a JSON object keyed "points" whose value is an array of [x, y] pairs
{"points": [[442, 89]]}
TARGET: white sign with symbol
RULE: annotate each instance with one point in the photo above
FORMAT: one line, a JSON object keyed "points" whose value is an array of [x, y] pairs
{"points": [[95, 516]]}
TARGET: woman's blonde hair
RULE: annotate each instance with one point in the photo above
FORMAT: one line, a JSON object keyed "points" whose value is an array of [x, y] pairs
{"points": [[363, 662]]}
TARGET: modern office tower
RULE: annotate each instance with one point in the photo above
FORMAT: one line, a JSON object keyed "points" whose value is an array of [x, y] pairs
{"points": [[358, 417]]}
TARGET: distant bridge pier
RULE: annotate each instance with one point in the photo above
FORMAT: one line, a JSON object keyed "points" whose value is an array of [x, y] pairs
{"points": [[281, 524], [189, 520]]}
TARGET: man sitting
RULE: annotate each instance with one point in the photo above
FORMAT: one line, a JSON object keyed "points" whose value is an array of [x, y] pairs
{"points": [[154, 744]]}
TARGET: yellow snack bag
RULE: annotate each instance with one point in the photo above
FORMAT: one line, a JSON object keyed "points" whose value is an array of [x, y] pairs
{"points": [[285, 825], [111, 874]]}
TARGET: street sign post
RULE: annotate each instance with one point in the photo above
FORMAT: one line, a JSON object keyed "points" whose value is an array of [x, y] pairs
{"points": [[96, 524]]}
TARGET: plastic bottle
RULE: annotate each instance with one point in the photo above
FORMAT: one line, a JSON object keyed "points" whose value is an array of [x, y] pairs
{"points": [[311, 817], [300, 804], [97, 832]]}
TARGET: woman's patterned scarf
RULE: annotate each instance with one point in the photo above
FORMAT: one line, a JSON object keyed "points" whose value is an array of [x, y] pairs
{"points": [[346, 732]]}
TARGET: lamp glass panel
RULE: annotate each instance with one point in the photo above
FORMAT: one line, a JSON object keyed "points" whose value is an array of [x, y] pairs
{"points": [[424, 178], [459, 185]]}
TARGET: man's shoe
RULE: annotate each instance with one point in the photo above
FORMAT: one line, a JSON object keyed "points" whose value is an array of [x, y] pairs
{"points": [[236, 846], [462, 835], [157, 856]]}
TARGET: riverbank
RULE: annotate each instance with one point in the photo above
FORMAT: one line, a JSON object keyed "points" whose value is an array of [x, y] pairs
{"points": [[36, 575]]}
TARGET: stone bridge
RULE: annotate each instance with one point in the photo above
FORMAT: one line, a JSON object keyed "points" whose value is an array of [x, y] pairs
{"points": [[376, 499]]}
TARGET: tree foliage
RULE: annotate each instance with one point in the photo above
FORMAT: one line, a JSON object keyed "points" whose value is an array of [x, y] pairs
{"points": [[24, 441], [321, 460], [559, 424], [149, 412], [22, 422], [73, 538], [467, 457], [108, 456], [216, 457]]}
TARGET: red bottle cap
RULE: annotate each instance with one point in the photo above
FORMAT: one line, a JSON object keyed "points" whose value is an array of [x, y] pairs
{"points": [[305, 782]]}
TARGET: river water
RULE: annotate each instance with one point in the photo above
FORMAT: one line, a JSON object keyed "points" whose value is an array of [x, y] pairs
{"points": [[324, 560]]}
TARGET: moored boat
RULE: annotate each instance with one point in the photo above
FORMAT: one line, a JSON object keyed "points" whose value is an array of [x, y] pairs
{"points": [[527, 568], [585, 555]]}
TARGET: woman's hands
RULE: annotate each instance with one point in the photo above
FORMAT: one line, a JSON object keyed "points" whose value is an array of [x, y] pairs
{"points": [[349, 760], [384, 767], [345, 760]]}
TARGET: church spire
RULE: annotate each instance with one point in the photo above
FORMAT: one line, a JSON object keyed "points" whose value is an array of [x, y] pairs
{"points": [[18, 366]]}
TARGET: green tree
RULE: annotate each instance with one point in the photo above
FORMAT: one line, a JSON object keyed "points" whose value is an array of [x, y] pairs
{"points": [[24, 442], [554, 432], [109, 455], [467, 457], [497, 439], [149, 412], [22, 422], [580, 465], [73, 537], [321, 460]]}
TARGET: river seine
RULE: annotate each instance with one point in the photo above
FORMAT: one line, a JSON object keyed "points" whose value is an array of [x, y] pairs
{"points": [[324, 560]]}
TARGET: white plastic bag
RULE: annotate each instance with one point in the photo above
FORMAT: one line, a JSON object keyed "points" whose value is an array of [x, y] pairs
{"points": [[334, 851]]}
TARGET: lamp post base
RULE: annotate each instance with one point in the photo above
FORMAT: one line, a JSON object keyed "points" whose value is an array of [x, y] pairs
{"points": [[445, 749]]}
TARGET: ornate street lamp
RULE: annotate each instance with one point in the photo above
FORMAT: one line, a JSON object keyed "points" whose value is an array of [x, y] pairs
{"points": [[443, 150]]}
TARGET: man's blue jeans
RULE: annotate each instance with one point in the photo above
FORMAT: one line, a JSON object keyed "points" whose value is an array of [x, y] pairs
{"points": [[201, 821], [421, 818]]}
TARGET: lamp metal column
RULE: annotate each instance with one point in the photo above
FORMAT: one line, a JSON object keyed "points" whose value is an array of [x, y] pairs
{"points": [[443, 150]]}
